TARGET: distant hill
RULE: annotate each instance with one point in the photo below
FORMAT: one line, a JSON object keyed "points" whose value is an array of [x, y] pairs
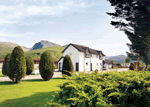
{"points": [[118, 58], [43, 44], [8, 46]]}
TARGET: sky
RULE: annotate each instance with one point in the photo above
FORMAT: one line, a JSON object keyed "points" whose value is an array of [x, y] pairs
{"points": [[83, 22]]}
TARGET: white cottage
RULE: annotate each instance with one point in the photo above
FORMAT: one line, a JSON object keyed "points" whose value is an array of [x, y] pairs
{"points": [[83, 58]]}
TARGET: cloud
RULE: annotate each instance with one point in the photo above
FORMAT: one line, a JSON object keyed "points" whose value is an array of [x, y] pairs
{"points": [[11, 14]]}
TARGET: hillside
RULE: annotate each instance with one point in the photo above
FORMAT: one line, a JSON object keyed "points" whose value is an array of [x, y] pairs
{"points": [[8, 46], [55, 52], [43, 44], [118, 58]]}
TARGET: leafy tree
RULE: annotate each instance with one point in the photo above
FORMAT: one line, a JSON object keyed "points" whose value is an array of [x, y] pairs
{"points": [[132, 17], [127, 60], [17, 65], [46, 66], [112, 61], [5, 68], [29, 64], [67, 67]]}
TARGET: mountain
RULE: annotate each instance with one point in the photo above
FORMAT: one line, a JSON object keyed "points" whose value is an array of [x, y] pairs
{"points": [[8, 46], [118, 58], [43, 44]]}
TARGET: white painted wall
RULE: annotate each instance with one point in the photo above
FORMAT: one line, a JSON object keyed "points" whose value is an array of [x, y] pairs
{"points": [[81, 61]]}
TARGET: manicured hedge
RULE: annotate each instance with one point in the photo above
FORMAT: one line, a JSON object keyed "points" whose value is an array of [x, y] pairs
{"points": [[17, 65], [67, 68], [5, 68], [29, 64], [112, 89]]}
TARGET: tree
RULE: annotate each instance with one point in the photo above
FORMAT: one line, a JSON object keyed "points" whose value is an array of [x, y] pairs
{"points": [[132, 17], [127, 60], [67, 67], [17, 65], [46, 66], [5, 68], [29, 64]]}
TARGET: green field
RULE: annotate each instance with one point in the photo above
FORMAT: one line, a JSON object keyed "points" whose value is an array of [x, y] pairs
{"points": [[55, 52], [28, 93]]}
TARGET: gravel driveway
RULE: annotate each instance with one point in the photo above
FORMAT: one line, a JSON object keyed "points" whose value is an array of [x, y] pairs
{"points": [[56, 75]]}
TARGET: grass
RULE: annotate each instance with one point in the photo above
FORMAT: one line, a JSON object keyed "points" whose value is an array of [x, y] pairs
{"points": [[28, 93], [1, 75]]}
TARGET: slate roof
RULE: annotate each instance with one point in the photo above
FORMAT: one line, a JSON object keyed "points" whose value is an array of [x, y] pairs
{"points": [[84, 48]]}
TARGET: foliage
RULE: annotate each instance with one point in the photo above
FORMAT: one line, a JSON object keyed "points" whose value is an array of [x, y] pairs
{"points": [[67, 67], [46, 66], [29, 64], [5, 68], [127, 60], [17, 65], [112, 89], [132, 17], [141, 63], [131, 67]]}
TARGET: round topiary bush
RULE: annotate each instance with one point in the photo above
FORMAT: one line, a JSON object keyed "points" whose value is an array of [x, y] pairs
{"points": [[17, 65], [67, 67], [46, 66], [29, 64], [5, 68]]}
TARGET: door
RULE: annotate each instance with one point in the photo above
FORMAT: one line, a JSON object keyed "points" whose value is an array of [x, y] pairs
{"points": [[91, 66], [60, 67], [77, 66]]}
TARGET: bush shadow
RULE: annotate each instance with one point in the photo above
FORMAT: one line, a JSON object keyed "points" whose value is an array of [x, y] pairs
{"points": [[35, 100]]}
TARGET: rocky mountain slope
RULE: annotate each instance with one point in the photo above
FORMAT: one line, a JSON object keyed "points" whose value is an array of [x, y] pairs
{"points": [[43, 44]]}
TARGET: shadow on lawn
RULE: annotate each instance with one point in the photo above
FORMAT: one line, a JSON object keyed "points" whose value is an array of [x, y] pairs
{"points": [[29, 80], [35, 100]]}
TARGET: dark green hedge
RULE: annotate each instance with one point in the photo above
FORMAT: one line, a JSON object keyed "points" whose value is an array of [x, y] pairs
{"points": [[17, 65], [67, 67], [5, 68], [29, 64], [46, 66]]}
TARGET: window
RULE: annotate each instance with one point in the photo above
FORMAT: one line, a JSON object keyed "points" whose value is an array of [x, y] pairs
{"points": [[91, 55], [86, 64], [87, 54], [97, 64]]}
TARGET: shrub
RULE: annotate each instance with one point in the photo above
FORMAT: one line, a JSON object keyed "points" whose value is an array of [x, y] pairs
{"points": [[123, 89], [17, 65], [46, 66], [5, 68], [131, 67], [67, 67], [29, 64]]}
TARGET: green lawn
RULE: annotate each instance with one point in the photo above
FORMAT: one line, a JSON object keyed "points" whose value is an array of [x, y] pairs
{"points": [[28, 93], [1, 75]]}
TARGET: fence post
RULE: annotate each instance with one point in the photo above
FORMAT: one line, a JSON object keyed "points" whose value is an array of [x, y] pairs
{"points": [[136, 66]]}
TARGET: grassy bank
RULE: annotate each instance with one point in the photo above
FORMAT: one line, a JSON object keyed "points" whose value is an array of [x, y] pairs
{"points": [[28, 93]]}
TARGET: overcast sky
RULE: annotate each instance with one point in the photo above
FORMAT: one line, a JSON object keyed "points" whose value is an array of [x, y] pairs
{"points": [[84, 22]]}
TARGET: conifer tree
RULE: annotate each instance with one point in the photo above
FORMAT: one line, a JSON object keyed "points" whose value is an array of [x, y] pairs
{"points": [[46, 66], [17, 65], [5, 68], [29, 64], [67, 67]]}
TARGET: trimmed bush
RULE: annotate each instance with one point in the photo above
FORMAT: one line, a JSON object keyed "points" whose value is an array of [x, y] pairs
{"points": [[67, 67], [5, 68], [29, 64], [46, 66], [131, 67], [17, 65], [112, 89]]}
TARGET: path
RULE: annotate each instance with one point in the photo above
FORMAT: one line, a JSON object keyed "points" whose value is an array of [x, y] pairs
{"points": [[56, 75]]}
